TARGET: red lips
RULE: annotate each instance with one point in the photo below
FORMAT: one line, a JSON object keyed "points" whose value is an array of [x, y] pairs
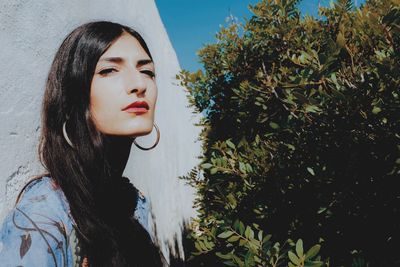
{"points": [[138, 104]]}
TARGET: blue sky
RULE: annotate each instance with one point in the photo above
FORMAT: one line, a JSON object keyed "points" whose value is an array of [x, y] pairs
{"points": [[192, 23]]}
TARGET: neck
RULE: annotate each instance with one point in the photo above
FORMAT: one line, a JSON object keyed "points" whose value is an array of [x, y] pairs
{"points": [[117, 150]]}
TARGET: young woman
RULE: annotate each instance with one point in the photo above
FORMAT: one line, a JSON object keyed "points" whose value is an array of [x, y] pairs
{"points": [[100, 95]]}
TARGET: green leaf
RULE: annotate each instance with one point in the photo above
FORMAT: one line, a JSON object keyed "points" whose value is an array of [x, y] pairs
{"points": [[197, 246], [206, 165], [312, 252], [273, 125], [232, 200], [249, 233], [209, 245], [294, 258], [224, 256], [242, 167], [229, 263], [291, 147], [249, 168], [213, 170], [230, 144], [313, 264], [241, 228], [203, 246], [242, 242], [233, 238], [238, 260], [266, 238], [312, 109], [310, 170], [334, 80], [260, 235], [376, 110], [236, 225], [225, 234], [299, 248]]}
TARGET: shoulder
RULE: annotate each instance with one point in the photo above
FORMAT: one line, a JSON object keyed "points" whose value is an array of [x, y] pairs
{"points": [[35, 232], [42, 198]]}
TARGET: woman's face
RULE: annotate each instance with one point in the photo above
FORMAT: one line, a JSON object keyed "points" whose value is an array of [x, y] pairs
{"points": [[124, 74]]}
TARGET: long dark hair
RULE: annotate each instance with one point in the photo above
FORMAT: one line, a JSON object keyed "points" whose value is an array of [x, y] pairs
{"points": [[100, 204]]}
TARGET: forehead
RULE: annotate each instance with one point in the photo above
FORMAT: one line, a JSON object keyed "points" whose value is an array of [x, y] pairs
{"points": [[126, 46]]}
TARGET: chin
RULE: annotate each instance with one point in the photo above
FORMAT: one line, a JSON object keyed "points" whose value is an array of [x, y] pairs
{"points": [[143, 131]]}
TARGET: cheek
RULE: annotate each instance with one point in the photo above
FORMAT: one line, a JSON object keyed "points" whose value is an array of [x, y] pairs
{"points": [[154, 95], [102, 102]]}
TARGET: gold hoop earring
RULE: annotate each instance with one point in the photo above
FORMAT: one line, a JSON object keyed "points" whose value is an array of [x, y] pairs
{"points": [[153, 146], [66, 135]]}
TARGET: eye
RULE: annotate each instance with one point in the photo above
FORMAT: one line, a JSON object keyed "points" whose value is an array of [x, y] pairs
{"points": [[106, 71], [150, 73]]}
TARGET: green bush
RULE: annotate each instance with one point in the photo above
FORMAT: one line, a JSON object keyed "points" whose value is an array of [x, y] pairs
{"points": [[301, 138]]}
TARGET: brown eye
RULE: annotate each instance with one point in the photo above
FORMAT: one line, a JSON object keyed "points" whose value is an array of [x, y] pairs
{"points": [[106, 71], [149, 73]]}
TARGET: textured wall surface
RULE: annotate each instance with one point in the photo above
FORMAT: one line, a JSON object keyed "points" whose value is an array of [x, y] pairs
{"points": [[30, 34]]}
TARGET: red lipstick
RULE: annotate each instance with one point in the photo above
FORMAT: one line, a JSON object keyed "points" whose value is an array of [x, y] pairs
{"points": [[138, 107]]}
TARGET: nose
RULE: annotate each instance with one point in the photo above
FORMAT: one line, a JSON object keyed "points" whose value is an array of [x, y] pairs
{"points": [[137, 83]]}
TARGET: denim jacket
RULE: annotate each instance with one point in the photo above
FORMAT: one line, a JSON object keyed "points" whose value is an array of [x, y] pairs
{"points": [[40, 231]]}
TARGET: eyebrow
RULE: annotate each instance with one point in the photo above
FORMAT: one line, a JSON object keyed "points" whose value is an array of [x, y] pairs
{"points": [[140, 62]]}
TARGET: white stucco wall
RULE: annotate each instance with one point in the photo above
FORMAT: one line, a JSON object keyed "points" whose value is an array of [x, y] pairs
{"points": [[30, 34]]}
